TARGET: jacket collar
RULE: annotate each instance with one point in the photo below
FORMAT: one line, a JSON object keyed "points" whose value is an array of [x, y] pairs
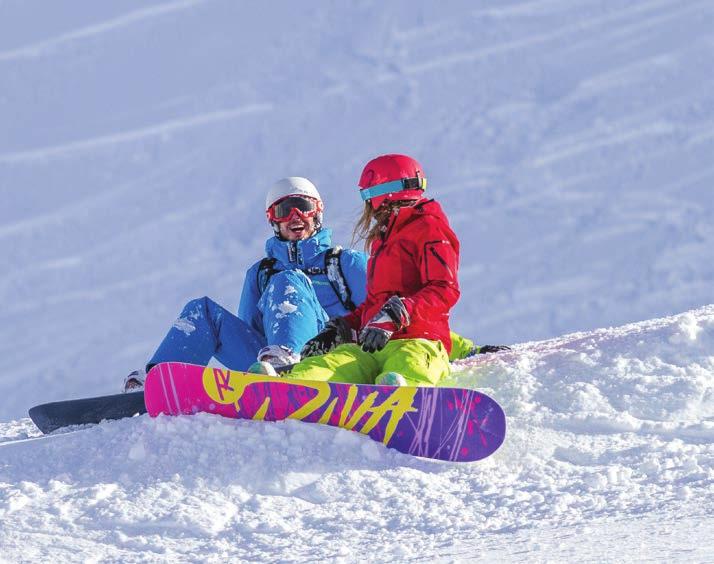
{"points": [[299, 253], [405, 215]]}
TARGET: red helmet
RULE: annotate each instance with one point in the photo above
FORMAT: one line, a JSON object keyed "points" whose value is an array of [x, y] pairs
{"points": [[391, 177]]}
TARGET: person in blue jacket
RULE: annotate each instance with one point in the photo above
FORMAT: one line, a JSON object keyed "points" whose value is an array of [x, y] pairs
{"points": [[304, 281], [287, 297]]}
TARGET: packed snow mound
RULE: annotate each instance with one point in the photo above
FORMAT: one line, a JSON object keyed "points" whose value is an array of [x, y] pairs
{"points": [[655, 377], [609, 427]]}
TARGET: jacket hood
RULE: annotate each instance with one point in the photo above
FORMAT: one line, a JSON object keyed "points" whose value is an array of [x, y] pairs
{"points": [[306, 252]]}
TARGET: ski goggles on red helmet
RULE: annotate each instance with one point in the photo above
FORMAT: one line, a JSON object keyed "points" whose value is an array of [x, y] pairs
{"points": [[395, 186], [302, 206]]}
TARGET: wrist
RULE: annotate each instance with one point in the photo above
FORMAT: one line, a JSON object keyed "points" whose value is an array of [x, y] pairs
{"points": [[396, 309]]}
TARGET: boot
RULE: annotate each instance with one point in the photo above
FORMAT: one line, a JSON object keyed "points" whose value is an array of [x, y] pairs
{"points": [[278, 355], [134, 382]]}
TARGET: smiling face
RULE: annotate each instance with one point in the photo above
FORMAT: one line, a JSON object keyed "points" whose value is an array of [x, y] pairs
{"points": [[296, 228]]}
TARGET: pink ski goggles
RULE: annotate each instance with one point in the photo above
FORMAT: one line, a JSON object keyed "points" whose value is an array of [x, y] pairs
{"points": [[302, 206]]}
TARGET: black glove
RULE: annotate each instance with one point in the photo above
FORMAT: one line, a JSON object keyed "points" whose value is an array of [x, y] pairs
{"points": [[392, 317], [336, 332], [483, 349]]}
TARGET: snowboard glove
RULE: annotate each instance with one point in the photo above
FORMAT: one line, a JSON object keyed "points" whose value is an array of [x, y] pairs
{"points": [[392, 317], [335, 332], [483, 349]]}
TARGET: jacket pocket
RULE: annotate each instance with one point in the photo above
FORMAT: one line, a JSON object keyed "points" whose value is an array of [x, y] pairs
{"points": [[439, 261]]}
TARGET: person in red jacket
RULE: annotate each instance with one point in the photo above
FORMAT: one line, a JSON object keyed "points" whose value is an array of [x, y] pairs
{"points": [[400, 334]]}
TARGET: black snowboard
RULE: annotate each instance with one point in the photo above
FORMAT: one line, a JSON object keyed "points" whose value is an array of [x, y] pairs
{"points": [[52, 416]]}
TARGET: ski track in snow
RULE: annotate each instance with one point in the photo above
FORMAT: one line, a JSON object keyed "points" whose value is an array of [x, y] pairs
{"points": [[159, 130], [558, 34], [605, 428], [48, 46]]}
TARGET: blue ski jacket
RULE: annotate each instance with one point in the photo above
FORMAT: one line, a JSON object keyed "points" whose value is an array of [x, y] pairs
{"points": [[307, 255]]}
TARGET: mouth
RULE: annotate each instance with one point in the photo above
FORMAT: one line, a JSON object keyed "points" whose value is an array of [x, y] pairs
{"points": [[297, 229]]}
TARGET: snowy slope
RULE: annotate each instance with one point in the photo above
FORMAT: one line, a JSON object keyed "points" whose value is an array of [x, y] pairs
{"points": [[610, 456], [570, 142]]}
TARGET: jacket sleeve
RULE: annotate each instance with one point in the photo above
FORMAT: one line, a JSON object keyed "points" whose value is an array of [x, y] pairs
{"points": [[357, 279], [248, 308], [438, 267], [354, 267]]}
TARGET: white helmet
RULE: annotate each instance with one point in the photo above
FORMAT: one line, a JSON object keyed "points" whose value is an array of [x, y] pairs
{"points": [[291, 186]]}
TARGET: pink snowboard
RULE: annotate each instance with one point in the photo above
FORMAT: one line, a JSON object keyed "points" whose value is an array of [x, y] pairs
{"points": [[443, 423]]}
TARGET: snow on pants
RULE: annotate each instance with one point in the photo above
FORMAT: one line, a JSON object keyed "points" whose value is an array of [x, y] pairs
{"points": [[291, 314], [420, 361], [204, 330]]}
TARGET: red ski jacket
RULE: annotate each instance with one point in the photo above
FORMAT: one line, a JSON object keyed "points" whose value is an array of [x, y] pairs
{"points": [[416, 259]]}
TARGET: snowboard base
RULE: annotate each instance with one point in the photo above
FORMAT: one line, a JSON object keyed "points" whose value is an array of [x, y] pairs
{"points": [[52, 416]]}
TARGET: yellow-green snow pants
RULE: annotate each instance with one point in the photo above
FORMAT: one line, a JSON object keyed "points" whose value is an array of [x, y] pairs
{"points": [[460, 346], [421, 362]]}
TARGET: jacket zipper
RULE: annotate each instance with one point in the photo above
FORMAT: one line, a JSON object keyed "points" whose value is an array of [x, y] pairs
{"points": [[374, 260], [384, 244]]}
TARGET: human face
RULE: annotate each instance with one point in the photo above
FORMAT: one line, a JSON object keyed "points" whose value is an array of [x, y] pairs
{"points": [[297, 228]]}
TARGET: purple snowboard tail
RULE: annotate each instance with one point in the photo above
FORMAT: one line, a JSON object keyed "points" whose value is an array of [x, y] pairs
{"points": [[452, 424]]}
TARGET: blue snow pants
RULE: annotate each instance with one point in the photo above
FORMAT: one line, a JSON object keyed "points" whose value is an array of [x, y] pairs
{"points": [[290, 314]]}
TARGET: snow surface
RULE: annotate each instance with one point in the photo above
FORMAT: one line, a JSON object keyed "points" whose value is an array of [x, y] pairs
{"points": [[571, 144], [609, 456]]}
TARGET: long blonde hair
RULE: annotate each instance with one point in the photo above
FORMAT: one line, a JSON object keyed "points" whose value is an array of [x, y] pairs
{"points": [[372, 223]]}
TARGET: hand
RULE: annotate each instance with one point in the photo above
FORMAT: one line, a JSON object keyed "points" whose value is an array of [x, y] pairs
{"points": [[483, 349], [335, 332], [392, 317]]}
